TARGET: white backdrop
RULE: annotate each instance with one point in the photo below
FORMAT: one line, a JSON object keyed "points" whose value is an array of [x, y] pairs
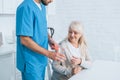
{"points": [[101, 24]]}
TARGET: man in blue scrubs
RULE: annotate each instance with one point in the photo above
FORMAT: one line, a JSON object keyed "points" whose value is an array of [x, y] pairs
{"points": [[33, 39]]}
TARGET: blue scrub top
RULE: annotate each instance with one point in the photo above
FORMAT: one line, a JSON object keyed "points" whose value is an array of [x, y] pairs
{"points": [[31, 21]]}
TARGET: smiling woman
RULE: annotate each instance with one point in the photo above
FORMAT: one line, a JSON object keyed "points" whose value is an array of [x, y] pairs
{"points": [[75, 34], [75, 49]]}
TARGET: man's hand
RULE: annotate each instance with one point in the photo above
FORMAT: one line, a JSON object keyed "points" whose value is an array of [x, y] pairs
{"points": [[57, 56]]}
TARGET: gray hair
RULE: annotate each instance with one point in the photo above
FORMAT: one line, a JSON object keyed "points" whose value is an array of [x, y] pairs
{"points": [[82, 42], [76, 25]]}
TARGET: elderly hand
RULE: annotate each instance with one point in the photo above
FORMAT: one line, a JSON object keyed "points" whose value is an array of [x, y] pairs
{"points": [[76, 61], [76, 70]]}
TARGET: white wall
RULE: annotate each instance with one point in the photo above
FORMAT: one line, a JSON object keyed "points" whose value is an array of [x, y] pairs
{"points": [[100, 18], [101, 22], [7, 26], [7, 19]]}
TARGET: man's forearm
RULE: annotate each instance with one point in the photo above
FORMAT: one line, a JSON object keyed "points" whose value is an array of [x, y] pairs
{"points": [[28, 42]]}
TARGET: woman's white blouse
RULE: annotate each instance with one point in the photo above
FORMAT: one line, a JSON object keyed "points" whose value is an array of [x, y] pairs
{"points": [[69, 50], [73, 50]]}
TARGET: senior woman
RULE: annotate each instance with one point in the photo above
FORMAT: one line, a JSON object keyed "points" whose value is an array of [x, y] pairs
{"points": [[75, 49]]}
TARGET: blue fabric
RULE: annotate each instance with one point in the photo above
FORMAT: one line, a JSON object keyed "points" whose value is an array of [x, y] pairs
{"points": [[38, 74], [31, 21]]}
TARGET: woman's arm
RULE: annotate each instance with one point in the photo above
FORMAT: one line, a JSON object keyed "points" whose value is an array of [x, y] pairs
{"points": [[86, 61], [60, 67]]}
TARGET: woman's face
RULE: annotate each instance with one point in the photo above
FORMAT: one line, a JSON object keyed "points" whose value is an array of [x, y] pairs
{"points": [[74, 35]]}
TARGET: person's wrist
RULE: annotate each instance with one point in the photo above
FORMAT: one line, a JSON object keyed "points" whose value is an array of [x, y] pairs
{"points": [[50, 55], [80, 61], [47, 53]]}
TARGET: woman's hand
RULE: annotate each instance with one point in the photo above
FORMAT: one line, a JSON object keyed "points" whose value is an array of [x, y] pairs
{"points": [[76, 61], [76, 70]]}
